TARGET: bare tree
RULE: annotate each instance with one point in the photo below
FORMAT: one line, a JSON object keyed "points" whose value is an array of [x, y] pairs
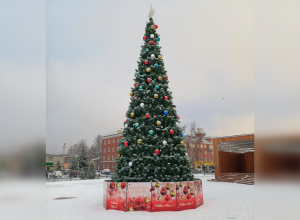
{"points": [[183, 128], [96, 151], [193, 128]]}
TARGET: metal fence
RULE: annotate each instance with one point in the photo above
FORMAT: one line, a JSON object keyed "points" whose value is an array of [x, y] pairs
{"points": [[59, 179]]}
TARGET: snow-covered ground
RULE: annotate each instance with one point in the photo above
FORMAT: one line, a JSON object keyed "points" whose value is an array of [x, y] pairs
{"points": [[221, 201]]}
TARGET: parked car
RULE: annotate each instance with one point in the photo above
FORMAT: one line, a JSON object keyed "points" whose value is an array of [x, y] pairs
{"points": [[74, 173], [66, 171], [105, 172], [55, 174]]}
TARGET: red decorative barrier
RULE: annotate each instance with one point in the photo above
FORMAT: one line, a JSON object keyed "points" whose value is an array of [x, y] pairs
{"points": [[152, 196]]}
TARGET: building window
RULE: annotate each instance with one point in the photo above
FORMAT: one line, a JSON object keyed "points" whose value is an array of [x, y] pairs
{"points": [[212, 153], [113, 140], [113, 157], [103, 166], [108, 150], [104, 150], [113, 149], [108, 141], [112, 166], [108, 157], [209, 159], [205, 158], [118, 139], [103, 158], [201, 145], [104, 142], [107, 166], [205, 152], [50, 158]]}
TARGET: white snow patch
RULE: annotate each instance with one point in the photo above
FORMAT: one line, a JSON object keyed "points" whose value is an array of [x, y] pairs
{"points": [[221, 201]]}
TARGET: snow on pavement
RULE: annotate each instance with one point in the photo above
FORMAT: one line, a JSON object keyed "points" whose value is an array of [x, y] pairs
{"points": [[221, 201]]}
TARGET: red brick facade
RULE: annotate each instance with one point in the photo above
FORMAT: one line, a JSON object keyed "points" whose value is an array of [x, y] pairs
{"points": [[110, 145]]}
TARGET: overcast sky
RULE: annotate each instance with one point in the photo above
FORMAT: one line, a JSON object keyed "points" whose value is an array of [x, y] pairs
{"points": [[86, 53], [92, 53]]}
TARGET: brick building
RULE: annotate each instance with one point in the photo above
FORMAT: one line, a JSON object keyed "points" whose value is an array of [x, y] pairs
{"points": [[198, 151], [110, 145]]}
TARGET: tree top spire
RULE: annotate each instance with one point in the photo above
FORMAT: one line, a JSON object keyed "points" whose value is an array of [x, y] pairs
{"points": [[151, 13]]}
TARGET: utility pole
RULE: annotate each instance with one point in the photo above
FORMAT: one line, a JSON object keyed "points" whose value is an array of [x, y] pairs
{"points": [[64, 147]]}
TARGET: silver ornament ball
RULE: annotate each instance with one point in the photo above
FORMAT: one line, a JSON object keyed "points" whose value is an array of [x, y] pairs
{"points": [[152, 36], [142, 105], [152, 56], [148, 21], [165, 142], [130, 164]]}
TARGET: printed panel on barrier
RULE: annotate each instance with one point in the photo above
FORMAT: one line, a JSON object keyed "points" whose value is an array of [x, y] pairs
{"points": [[185, 195], [116, 196], [138, 196], [198, 192], [163, 196], [104, 193]]}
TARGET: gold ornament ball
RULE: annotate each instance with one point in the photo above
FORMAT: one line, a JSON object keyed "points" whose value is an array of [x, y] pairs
{"points": [[159, 56], [118, 185], [182, 197], [139, 141], [180, 184], [119, 155], [155, 96], [188, 185], [148, 70], [159, 198], [132, 114], [172, 193], [158, 123], [159, 78], [152, 27], [182, 143], [168, 186], [131, 94], [192, 192], [174, 109], [157, 185]]}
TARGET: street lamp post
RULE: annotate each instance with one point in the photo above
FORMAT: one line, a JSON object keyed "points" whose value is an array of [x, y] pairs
{"points": [[200, 135]]}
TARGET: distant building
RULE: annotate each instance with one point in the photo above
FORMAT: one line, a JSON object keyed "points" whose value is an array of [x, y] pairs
{"points": [[110, 143], [51, 160], [200, 149]]}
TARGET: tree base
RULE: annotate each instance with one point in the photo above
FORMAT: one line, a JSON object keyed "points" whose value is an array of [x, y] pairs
{"points": [[152, 196]]}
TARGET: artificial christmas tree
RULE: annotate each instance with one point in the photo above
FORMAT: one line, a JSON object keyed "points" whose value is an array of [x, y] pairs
{"points": [[152, 147], [153, 171]]}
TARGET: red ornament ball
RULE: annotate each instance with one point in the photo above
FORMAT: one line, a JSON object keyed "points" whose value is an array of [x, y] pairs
{"points": [[148, 80], [185, 190], [126, 143], [171, 132], [178, 117], [188, 196], [163, 191], [134, 84], [156, 26], [112, 185], [166, 98], [156, 152], [111, 193], [167, 77], [127, 120], [146, 62], [138, 201], [123, 185], [167, 198], [151, 42], [135, 98], [147, 115], [144, 37]]}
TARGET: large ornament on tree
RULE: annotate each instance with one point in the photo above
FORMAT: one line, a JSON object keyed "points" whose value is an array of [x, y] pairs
{"points": [[148, 80], [139, 141], [166, 112], [126, 143], [152, 36], [155, 96], [158, 123], [157, 87], [132, 114], [144, 37], [159, 78], [131, 94], [142, 105], [148, 70], [130, 164], [171, 132], [166, 98], [182, 143], [146, 62], [152, 56], [147, 115], [151, 132], [151, 42], [157, 152], [152, 27], [165, 142], [156, 26]]}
